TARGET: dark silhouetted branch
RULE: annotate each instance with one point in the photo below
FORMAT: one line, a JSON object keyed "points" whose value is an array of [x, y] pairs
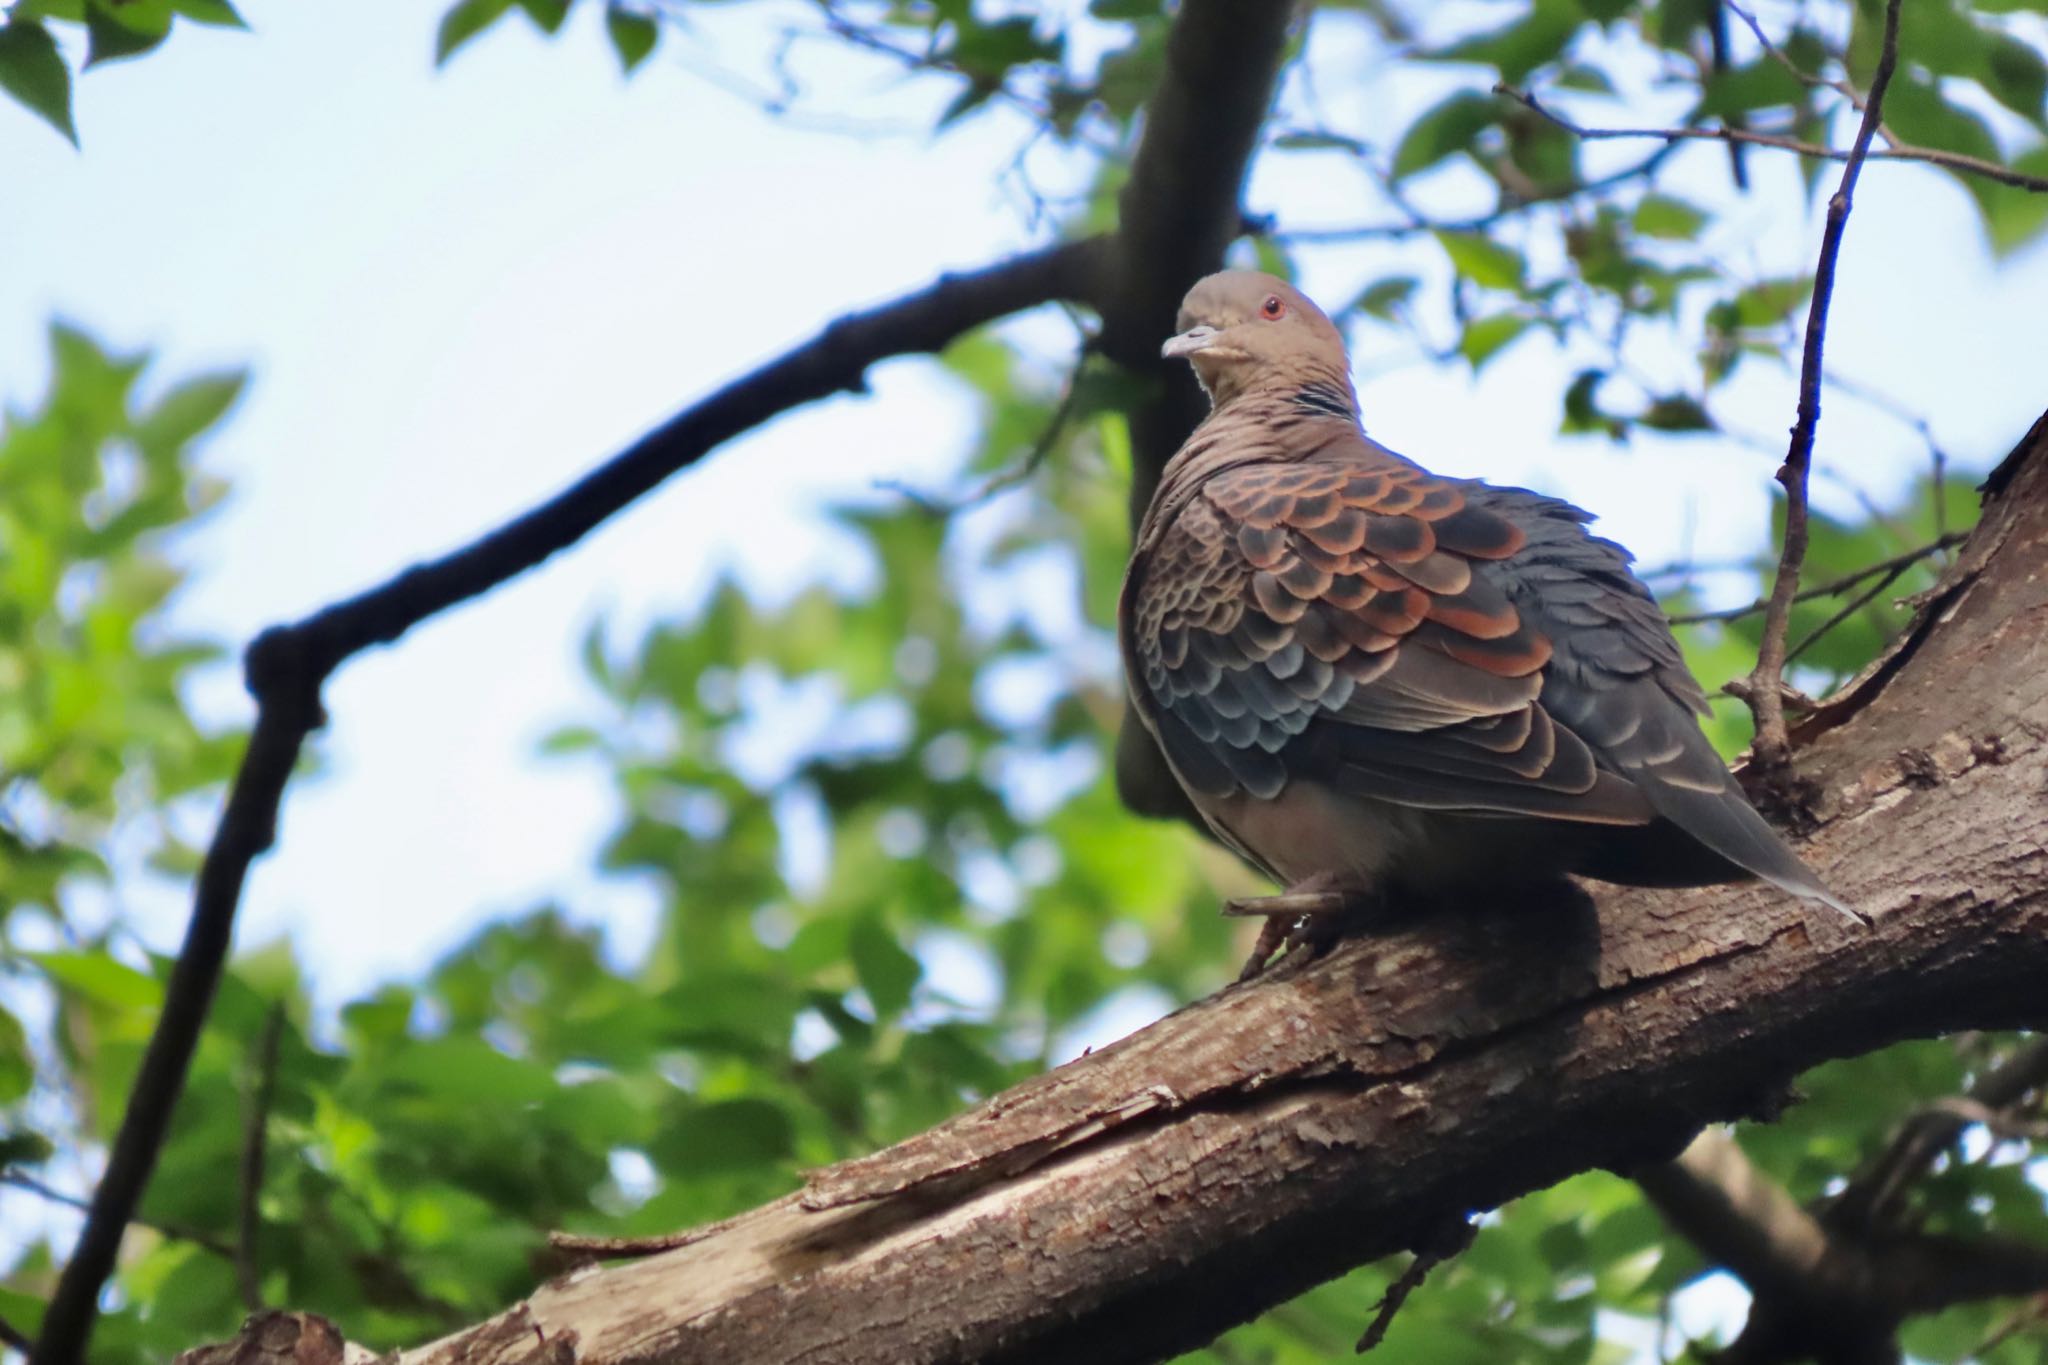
{"points": [[286, 666], [1933, 156], [255, 1145], [1135, 1202], [1894, 566]]}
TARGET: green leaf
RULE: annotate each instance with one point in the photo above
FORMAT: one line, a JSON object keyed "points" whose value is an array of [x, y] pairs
{"points": [[215, 13], [2015, 75], [1386, 298], [1668, 219], [96, 976], [33, 72], [547, 15], [190, 409], [467, 1071], [1520, 47], [464, 21], [1484, 261], [1763, 84], [17, 1074], [108, 39], [2013, 216], [1676, 412], [1484, 338], [1444, 130], [732, 1135], [887, 973], [633, 35], [1770, 302]]}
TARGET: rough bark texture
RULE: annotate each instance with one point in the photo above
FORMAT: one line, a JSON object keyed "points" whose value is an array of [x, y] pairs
{"points": [[1141, 1199]]}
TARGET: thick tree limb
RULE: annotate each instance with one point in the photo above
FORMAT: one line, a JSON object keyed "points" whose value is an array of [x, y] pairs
{"points": [[1137, 1201], [1180, 209], [1872, 1196], [287, 665], [1824, 1289]]}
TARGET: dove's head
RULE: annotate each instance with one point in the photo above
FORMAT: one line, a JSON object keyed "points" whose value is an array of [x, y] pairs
{"points": [[1246, 331]]}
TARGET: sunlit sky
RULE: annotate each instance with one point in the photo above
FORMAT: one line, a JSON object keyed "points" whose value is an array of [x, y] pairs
{"points": [[459, 289]]}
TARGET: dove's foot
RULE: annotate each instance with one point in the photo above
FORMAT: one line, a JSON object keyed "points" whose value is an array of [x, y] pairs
{"points": [[1307, 916]]}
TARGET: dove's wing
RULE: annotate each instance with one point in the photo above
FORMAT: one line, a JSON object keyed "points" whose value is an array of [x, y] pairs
{"points": [[1617, 680], [1324, 619]]}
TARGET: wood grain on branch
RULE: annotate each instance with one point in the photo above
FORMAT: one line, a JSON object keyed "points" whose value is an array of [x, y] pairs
{"points": [[287, 665], [1137, 1201]]}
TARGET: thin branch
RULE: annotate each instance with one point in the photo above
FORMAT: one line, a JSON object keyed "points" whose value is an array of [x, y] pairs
{"points": [[1714, 1196], [286, 665], [1772, 745], [1811, 80], [1875, 1190], [255, 1134], [177, 1232], [2004, 1126], [1817, 1283], [1179, 210], [1847, 610], [1894, 566], [1417, 224], [1455, 1238], [1934, 156], [1020, 472]]}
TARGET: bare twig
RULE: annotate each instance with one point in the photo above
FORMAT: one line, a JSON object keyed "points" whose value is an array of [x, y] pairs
{"points": [[1020, 472], [206, 1241], [1933, 156], [1416, 224], [1455, 1237], [1847, 610], [1875, 1190], [286, 666], [1997, 1122], [1894, 566], [1812, 80], [255, 1134], [1937, 455], [1772, 745]]}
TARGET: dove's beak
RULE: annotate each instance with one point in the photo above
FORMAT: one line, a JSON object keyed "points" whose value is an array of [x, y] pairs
{"points": [[1187, 343]]}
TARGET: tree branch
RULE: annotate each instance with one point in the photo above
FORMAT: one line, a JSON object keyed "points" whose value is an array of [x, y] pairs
{"points": [[1872, 1195], [286, 666], [1933, 156], [1137, 1201], [1179, 211], [1773, 747], [1895, 565], [255, 1148]]}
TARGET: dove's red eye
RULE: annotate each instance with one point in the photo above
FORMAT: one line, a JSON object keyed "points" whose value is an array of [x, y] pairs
{"points": [[1272, 310]]}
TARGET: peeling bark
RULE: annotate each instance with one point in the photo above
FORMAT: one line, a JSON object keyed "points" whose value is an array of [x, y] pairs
{"points": [[1139, 1200]]}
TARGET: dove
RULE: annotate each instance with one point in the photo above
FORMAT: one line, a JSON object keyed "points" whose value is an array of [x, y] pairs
{"points": [[1370, 679]]}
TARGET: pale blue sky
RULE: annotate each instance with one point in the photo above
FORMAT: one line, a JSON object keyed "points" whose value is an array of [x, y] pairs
{"points": [[460, 289]]}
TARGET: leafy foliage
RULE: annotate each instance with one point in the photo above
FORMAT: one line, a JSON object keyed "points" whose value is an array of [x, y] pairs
{"points": [[876, 817]]}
